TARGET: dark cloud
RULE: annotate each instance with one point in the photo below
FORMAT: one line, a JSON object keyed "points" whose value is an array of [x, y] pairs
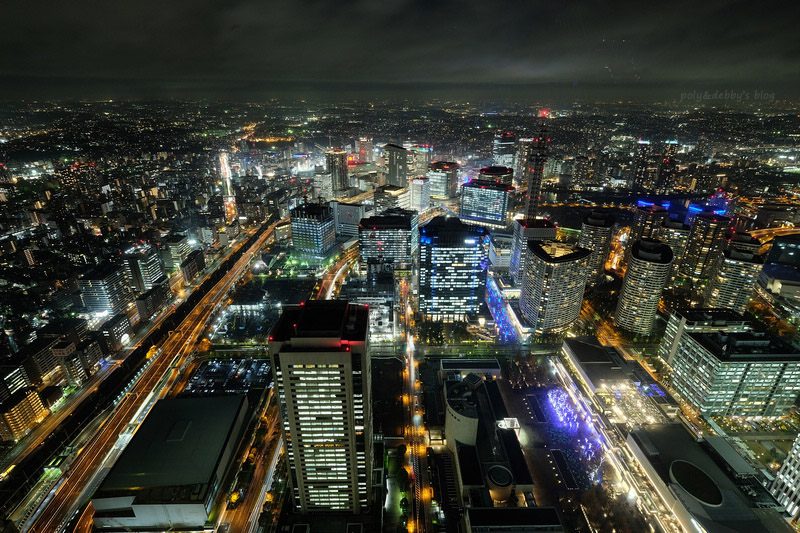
{"points": [[252, 46]]}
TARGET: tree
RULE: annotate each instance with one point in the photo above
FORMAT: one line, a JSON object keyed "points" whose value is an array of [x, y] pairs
{"points": [[402, 478]]}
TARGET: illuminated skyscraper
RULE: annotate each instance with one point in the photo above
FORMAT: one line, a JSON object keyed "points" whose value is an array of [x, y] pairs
{"points": [[320, 354], [444, 179], [504, 146], [420, 193], [365, 150], [647, 220], [674, 234], [537, 229], [485, 203], [641, 165], [504, 175], [104, 290], [143, 266], [732, 280], [397, 165], [667, 169], [421, 156], [552, 288], [313, 228], [336, 165], [533, 175], [706, 241], [392, 236], [596, 233], [644, 280], [452, 269]]}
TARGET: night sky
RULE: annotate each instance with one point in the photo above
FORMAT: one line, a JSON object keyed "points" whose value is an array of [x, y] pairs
{"points": [[248, 48]]}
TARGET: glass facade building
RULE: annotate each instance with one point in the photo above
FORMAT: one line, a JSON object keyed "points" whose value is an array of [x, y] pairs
{"points": [[485, 203], [452, 272], [313, 229]]}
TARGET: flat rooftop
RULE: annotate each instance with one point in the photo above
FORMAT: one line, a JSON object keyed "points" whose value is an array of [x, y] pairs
{"points": [[746, 346], [322, 318], [709, 315], [180, 443]]}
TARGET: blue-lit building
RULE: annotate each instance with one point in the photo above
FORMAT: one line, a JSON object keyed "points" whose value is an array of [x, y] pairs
{"points": [[485, 203], [313, 228], [452, 274]]}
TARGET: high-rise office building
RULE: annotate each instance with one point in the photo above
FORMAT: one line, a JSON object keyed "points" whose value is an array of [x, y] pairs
{"points": [[420, 193], [537, 229], [336, 165], [674, 234], [732, 280], [365, 151], [393, 236], [444, 179], [533, 174], [596, 233], [497, 174], [143, 266], [104, 290], [641, 165], [421, 156], [504, 147], [452, 269], [706, 241], [313, 228], [391, 197], [644, 280], [697, 320], [750, 373], [175, 251], [320, 355], [346, 217], [786, 485], [397, 165], [485, 203], [553, 284]]}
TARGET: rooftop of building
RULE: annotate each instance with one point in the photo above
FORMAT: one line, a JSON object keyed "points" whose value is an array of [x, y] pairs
{"points": [[744, 256], [595, 360], [709, 316], [102, 271], [535, 223], [394, 146], [746, 346], [710, 496], [600, 219], [557, 252], [476, 183], [322, 318], [652, 251], [311, 209], [442, 225], [177, 449], [395, 218], [712, 217], [176, 239], [676, 225], [443, 165], [496, 170]]}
